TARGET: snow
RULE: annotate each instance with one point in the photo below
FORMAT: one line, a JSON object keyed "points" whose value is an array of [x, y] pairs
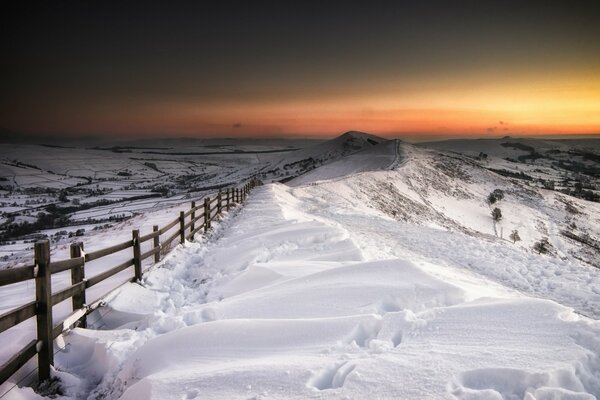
{"points": [[370, 159], [380, 275], [288, 299], [171, 171]]}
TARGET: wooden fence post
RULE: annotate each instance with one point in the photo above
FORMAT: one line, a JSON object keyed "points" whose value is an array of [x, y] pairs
{"points": [[156, 244], [228, 191], [137, 262], [182, 227], [206, 214], [77, 276], [219, 202], [43, 295], [193, 217]]}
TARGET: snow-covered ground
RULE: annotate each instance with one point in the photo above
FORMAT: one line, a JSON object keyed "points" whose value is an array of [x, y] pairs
{"points": [[317, 290], [109, 182]]}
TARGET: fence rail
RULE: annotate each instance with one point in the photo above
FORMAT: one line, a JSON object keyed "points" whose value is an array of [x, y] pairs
{"points": [[44, 267]]}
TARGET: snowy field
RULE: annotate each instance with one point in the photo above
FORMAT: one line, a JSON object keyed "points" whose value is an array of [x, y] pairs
{"points": [[376, 275], [294, 303], [102, 184], [97, 185]]}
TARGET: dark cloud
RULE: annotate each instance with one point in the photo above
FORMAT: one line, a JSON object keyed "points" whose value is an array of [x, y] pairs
{"points": [[502, 126]]}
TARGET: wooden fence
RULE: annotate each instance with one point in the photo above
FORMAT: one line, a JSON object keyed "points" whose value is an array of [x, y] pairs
{"points": [[188, 224]]}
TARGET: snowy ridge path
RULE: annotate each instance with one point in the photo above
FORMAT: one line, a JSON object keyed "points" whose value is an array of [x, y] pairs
{"points": [[385, 156], [302, 299], [400, 157], [434, 206], [546, 277]]}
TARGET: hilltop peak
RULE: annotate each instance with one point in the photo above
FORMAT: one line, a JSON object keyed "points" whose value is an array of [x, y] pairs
{"points": [[361, 135]]}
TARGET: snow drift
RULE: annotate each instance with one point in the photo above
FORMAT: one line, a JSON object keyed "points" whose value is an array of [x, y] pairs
{"points": [[379, 284]]}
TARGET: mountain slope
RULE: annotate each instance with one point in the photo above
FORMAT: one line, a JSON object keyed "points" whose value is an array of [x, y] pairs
{"points": [[448, 191], [300, 161], [379, 275], [305, 295], [385, 155]]}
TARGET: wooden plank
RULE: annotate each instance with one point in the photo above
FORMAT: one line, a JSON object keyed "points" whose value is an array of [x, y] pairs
{"points": [[149, 236], [181, 227], [193, 208], [18, 274], [43, 292], [107, 274], [193, 220], [150, 252], [168, 241], [101, 300], [18, 315], [17, 361], [69, 321], [220, 202], [156, 244], [94, 255], [196, 208], [137, 261], [65, 265], [196, 230], [170, 225], [188, 225], [200, 216], [67, 292], [206, 214], [77, 276]]}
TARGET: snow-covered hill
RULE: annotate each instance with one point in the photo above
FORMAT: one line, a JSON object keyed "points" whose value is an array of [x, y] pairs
{"points": [[391, 282], [300, 161], [87, 188], [384, 156], [446, 191], [379, 275]]}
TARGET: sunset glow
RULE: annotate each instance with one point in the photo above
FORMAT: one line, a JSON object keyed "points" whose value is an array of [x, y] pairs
{"points": [[302, 75]]}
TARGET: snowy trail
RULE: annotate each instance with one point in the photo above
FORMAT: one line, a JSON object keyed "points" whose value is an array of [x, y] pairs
{"points": [[306, 294], [382, 238]]}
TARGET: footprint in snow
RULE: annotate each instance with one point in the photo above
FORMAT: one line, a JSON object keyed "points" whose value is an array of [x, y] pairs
{"points": [[397, 338], [332, 377], [364, 333]]}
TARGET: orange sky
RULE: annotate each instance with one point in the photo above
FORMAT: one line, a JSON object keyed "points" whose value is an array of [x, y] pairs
{"points": [[408, 69], [561, 105]]}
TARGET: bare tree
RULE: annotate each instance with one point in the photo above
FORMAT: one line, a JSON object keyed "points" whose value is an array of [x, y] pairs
{"points": [[543, 246], [495, 196], [496, 214], [514, 236]]}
